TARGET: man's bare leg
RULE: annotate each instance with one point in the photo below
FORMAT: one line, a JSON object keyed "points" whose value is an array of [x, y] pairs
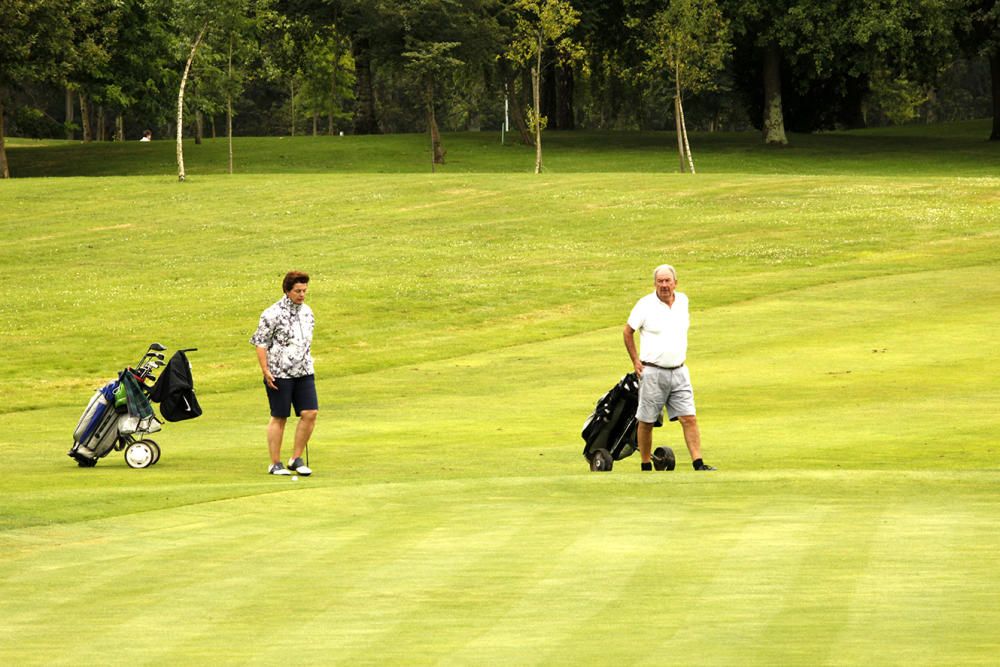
{"points": [[644, 436], [692, 436]]}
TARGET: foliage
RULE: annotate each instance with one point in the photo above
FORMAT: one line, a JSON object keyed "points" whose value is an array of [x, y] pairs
{"points": [[328, 77], [542, 27], [837, 60], [897, 99], [688, 41]]}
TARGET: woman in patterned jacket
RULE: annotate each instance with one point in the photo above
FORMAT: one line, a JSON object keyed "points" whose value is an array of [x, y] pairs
{"points": [[284, 351]]}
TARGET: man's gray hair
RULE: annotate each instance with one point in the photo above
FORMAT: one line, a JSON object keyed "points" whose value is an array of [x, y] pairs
{"points": [[664, 267]]}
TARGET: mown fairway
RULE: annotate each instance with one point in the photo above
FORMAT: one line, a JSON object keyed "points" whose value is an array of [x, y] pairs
{"points": [[845, 359]]}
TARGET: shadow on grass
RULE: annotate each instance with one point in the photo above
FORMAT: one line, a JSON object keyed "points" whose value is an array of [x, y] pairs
{"points": [[957, 149]]}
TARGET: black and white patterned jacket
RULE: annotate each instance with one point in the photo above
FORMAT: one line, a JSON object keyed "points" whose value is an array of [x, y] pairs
{"points": [[286, 330]]}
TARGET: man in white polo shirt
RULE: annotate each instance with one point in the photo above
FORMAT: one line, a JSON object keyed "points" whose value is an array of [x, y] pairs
{"points": [[662, 320]]}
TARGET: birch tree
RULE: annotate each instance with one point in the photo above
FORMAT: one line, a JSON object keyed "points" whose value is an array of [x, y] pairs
{"points": [[541, 36], [194, 19], [235, 45], [689, 42]]}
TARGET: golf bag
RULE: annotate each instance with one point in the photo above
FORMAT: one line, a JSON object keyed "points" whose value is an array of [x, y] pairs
{"points": [[120, 416], [609, 433]]}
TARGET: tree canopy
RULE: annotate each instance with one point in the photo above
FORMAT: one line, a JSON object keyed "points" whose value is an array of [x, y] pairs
{"points": [[99, 70]]}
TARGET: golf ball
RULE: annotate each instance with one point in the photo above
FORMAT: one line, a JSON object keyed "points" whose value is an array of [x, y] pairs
{"points": [[295, 478]]}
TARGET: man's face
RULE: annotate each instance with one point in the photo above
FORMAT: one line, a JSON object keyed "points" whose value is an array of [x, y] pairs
{"points": [[298, 293], [665, 285]]}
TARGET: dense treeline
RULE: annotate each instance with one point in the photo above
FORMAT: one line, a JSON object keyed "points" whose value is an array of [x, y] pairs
{"points": [[108, 69]]}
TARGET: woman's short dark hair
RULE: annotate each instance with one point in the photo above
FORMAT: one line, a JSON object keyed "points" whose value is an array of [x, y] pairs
{"points": [[292, 278]]}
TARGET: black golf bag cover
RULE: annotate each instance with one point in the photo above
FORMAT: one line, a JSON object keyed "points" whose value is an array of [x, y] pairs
{"points": [[174, 390], [612, 425]]}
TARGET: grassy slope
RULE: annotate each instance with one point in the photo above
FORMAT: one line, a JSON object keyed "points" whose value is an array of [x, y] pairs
{"points": [[953, 150], [844, 356]]}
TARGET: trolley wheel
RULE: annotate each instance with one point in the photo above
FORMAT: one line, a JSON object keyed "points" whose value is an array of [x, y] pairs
{"points": [[601, 461], [663, 458], [139, 455], [156, 450]]}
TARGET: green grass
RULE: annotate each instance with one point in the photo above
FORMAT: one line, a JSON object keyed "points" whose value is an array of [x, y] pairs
{"points": [[845, 364], [960, 149]]}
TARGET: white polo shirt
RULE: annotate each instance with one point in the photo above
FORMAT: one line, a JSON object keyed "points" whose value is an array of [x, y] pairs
{"points": [[662, 329]]}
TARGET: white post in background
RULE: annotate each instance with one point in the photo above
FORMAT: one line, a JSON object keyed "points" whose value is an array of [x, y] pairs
{"points": [[506, 117]]}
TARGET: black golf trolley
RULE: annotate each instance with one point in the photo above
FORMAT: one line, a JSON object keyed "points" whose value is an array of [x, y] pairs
{"points": [[120, 416], [610, 430]]}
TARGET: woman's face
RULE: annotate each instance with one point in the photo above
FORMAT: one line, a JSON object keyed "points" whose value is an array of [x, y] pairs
{"points": [[298, 293]]}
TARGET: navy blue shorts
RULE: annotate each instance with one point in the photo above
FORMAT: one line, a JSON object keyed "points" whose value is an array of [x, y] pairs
{"points": [[300, 392]]}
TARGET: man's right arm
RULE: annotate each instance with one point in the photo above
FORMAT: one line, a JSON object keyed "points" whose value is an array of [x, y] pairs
{"points": [[629, 335]]}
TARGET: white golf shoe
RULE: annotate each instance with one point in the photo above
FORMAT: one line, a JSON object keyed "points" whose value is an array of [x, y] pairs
{"points": [[298, 466]]}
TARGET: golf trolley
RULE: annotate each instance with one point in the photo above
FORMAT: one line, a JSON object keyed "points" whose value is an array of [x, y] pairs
{"points": [[610, 430], [120, 416]]}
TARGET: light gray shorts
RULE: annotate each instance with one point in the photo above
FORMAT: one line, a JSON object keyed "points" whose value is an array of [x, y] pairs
{"points": [[660, 387]]}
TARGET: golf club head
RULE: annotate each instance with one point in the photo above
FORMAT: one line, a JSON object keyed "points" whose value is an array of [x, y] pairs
{"points": [[157, 347]]}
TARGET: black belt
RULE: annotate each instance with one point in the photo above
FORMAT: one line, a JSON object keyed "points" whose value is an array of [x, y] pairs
{"points": [[662, 368]]}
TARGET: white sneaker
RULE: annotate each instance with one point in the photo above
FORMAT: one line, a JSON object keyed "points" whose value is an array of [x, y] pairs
{"points": [[278, 469], [299, 467]]}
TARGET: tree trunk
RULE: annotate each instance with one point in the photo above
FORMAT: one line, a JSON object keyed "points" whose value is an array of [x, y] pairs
{"points": [[69, 114], [199, 126], [101, 129], [4, 170], [211, 123], [437, 152], [229, 109], [684, 132], [180, 105], [315, 123], [995, 79], [364, 110], [119, 127], [229, 129], [774, 120], [85, 118], [852, 114], [333, 92], [550, 98], [680, 133], [565, 84], [517, 111], [536, 84], [931, 106], [291, 87]]}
